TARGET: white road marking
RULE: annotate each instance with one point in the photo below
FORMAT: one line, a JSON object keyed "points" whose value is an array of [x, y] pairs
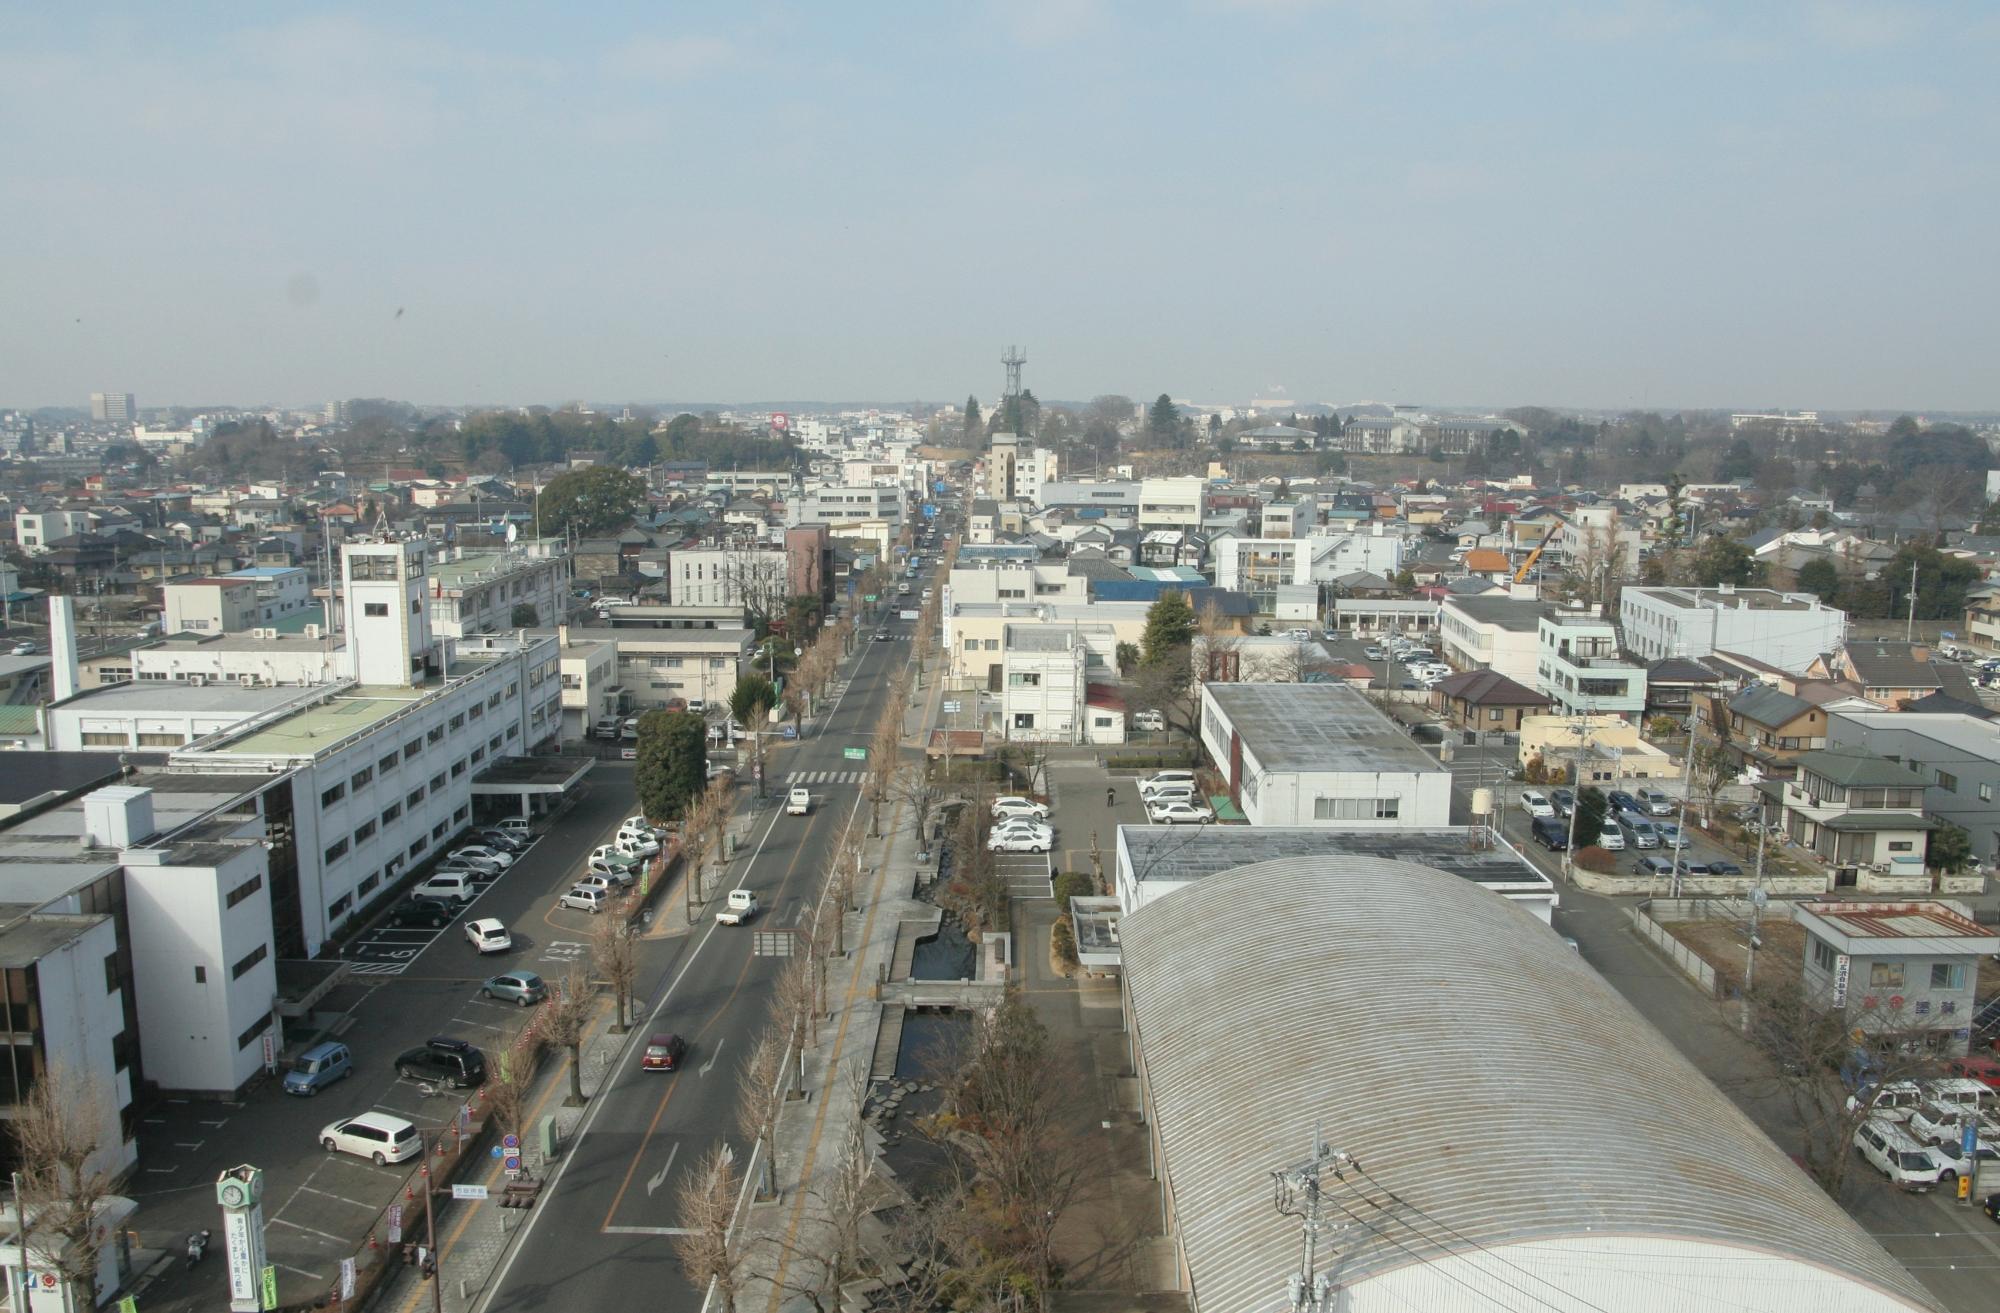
{"points": [[338, 1240], [655, 1182], [647, 1230], [709, 1066]]}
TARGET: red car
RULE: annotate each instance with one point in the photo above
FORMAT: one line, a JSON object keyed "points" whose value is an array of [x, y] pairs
{"points": [[663, 1053], [1977, 1068]]}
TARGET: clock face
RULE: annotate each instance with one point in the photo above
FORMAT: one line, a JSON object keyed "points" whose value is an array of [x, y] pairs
{"points": [[234, 1194]]}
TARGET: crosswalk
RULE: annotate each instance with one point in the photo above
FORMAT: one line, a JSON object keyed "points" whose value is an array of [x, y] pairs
{"points": [[802, 778]]}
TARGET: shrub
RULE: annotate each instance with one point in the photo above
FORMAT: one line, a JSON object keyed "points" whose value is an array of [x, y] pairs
{"points": [[1062, 943], [1072, 884], [1601, 860], [1149, 760]]}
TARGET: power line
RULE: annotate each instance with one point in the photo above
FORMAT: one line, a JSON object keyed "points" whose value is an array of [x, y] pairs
{"points": [[1422, 1259]]}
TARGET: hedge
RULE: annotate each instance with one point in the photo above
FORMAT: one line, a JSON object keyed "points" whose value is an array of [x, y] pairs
{"points": [[1149, 760]]}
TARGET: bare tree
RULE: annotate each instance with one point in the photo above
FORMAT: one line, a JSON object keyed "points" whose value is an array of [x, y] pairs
{"points": [[1710, 770], [614, 956], [506, 1089], [1808, 1043], [826, 1250], [885, 752], [697, 838], [63, 1186], [760, 1090], [707, 1207], [1217, 647], [918, 789], [797, 993], [565, 1021]]}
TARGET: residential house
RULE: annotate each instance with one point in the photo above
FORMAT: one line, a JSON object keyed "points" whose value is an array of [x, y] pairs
{"points": [[1486, 702], [1957, 755], [1492, 633], [1762, 727], [1579, 668], [1861, 814], [1888, 673], [1671, 684]]}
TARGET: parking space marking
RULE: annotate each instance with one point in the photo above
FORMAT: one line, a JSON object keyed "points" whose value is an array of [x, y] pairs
{"points": [[281, 1221], [328, 1194], [312, 1276], [189, 1144]]}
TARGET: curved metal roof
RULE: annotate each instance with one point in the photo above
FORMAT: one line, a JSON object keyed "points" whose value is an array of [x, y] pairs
{"points": [[1476, 1068]]}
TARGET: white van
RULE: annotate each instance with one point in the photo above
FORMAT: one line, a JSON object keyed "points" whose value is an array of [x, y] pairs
{"points": [[461, 885], [1166, 779], [1964, 1092], [1907, 1164], [1894, 1102]]}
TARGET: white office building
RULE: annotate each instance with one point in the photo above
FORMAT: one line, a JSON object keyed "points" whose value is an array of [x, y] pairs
{"points": [[1786, 630]]}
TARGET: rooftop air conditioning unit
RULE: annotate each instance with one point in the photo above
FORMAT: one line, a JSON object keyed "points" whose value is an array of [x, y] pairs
{"points": [[198, 680], [247, 681]]}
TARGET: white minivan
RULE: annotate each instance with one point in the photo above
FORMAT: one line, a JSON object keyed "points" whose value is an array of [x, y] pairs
{"points": [[1167, 779], [460, 885], [1897, 1156]]}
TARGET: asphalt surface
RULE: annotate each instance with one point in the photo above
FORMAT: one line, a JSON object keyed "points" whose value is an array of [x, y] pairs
{"points": [[601, 1237]]}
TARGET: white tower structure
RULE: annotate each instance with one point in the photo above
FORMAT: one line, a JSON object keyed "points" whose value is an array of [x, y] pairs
{"points": [[388, 611]]}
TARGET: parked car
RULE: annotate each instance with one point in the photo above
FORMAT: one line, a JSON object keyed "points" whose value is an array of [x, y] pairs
{"points": [[522, 987], [1721, 866], [1891, 1150], [1180, 813], [448, 1061], [1551, 832], [1031, 829], [517, 826], [480, 855], [1563, 800], [318, 1067], [1639, 831], [1014, 805], [1150, 721], [613, 874], [1657, 868], [583, 898], [427, 913], [1977, 1067], [1536, 804], [1655, 802], [1670, 835], [488, 935], [1166, 779], [637, 843], [455, 886], [377, 1136], [1374, 653], [1620, 801], [1611, 839], [663, 1053], [1001, 841], [601, 880], [495, 837], [607, 727]]}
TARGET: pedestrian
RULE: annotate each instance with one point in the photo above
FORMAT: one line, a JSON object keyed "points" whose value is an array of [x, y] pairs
{"points": [[1110, 795]]}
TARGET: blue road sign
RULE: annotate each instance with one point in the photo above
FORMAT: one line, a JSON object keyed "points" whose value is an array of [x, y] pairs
{"points": [[930, 511]]}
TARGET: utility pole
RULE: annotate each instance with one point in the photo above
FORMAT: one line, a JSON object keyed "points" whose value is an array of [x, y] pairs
{"points": [[1910, 628], [1296, 1192]]}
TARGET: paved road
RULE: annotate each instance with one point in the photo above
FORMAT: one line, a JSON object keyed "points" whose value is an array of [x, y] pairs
{"points": [[601, 1237]]}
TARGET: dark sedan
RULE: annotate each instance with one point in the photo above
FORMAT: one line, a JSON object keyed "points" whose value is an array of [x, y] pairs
{"points": [[430, 913]]}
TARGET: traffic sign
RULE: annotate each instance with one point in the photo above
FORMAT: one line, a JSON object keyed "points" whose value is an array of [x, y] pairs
{"points": [[868, 597], [510, 1141], [855, 754], [460, 1190], [512, 1164]]}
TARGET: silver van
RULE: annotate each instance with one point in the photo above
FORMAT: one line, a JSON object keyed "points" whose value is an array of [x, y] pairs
{"points": [[1639, 831], [1907, 1164]]}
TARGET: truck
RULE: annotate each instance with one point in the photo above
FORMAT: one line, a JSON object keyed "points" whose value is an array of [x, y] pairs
{"points": [[798, 802], [741, 906]]}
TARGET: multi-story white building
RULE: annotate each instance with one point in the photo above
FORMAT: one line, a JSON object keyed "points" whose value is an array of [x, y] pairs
{"points": [[1319, 754], [655, 666], [217, 605], [1171, 503], [1045, 682], [113, 408], [1491, 633], [1786, 630], [755, 577], [480, 592], [284, 592], [35, 530], [1258, 565], [1577, 667], [841, 504]]}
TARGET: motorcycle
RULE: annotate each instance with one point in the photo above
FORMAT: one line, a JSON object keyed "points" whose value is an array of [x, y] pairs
{"points": [[197, 1246]]}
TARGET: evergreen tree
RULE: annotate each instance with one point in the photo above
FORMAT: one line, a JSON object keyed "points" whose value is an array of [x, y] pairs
{"points": [[1591, 806], [1163, 422], [1169, 629], [974, 429], [672, 765]]}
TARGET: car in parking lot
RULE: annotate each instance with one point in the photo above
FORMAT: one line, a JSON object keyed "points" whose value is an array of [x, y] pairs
{"points": [[1023, 825], [453, 886], [584, 898], [1721, 866], [622, 874], [522, 987], [1166, 780], [1611, 839], [377, 1136], [495, 837], [1670, 834], [318, 1067], [663, 1053], [445, 1060], [1658, 868], [1620, 801], [1019, 841], [609, 884], [480, 852], [1536, 803], [1180, 813], [1012, 805], [1563, 800], [1639, 831], [1374, 653], [517, 826], [488, 935], [424, 913], [1150, 721], [1655, 802]]}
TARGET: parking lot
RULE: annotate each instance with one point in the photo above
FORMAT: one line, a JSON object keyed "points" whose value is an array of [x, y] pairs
{"points": [[408, 985]]}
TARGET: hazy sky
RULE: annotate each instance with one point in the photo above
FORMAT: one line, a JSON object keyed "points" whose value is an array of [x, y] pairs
{"points": [[1595, 203]]}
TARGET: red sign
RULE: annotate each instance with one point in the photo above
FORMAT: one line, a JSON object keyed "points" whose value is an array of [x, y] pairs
{"points": [[781, 421]]}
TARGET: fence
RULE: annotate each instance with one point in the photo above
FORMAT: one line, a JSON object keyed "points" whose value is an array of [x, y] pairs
{"points": [[1683, 957]]}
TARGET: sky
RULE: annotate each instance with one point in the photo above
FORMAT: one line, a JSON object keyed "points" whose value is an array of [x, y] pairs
{"points": [[1599, 204]]}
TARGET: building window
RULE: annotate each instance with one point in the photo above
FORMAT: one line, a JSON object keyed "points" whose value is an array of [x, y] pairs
{"points": [[1986, 793], [256, 955], [201, 975], [1357, 809], [415, 796], [1885, 975], [1028, 679], [367, 887], [387, 764], [1947, 781], [438, 830], [104, 739], [364, 832], [437, 781], [361, 777], [412, 748], [245, 890], [1823, 955], [476, 711], [391, 812], [336, 851], [328, 797], [1901, 845], [423, 842], [376, 610], [1948, 975], [256, 1031], [458, 768], [458, 722], [478, 755], [436, 734], [161, 740], [111, 973], [462, 812]]}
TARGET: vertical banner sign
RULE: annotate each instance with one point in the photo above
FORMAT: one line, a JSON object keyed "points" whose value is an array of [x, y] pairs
{"points": [[1841, 966], [243, 1243], [346, 1280], [270, 1051], [270, 1287], [129, 1304], [396, 1210]]}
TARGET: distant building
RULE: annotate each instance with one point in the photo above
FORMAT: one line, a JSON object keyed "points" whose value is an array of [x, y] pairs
{"points": [[1787, 630], [1319, 754], [1908, 970], [113, 408]]}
